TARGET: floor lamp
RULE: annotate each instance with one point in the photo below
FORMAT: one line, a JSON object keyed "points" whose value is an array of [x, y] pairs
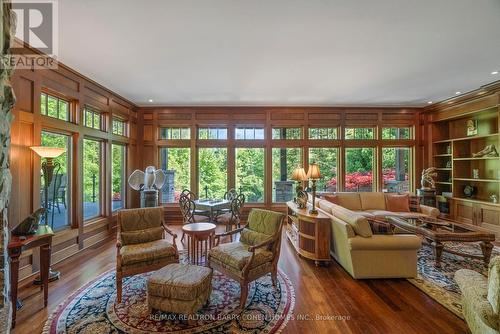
{"points": [[314, 175], [48, 154]]}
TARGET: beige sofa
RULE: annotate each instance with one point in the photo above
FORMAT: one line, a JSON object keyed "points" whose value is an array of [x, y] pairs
{"points": [[365, 255], [373, 204]]}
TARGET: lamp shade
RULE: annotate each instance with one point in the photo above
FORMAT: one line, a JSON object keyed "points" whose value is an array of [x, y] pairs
{"points": [[48, 152], [299, 174], [313, 172]]}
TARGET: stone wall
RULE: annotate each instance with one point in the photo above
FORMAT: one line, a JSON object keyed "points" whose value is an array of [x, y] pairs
{"points": [[7, 100]]}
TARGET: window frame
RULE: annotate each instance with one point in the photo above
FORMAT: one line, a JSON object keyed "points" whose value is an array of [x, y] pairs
{"points": [[286, 127], [210, 128], [354, 127], [101, 187], [94, 112], [124, 127], [124, 176], [58, 99], [169, 130]]}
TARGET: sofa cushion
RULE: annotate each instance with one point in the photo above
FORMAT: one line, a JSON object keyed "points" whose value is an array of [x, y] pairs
{"points": [[236, 255], [372, 201], [366, 214], [358, 223], [380, 213], [326, 206], [379, 226], [410, 214], [332, 198], [349, 201], [180, 281], [147, 252], [397, 203]]}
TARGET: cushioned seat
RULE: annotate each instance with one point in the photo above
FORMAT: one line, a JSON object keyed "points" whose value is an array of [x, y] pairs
{"points": [[200, 219], [147, 252], [179, 288], [228, 218], [236, 255]]}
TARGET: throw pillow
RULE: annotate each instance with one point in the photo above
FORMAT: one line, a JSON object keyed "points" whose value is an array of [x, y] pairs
{"points": [[397, 203], [332, 198], [380, 227], [414, 202]]}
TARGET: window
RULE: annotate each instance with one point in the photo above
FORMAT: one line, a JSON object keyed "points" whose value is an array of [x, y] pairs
{"points": [[396, 133], [327, 161], [118, 177], [250, 173], [212, 172], [212, 133], [118, 127], [287, 133], [92, 118], [395, 169], [175, 133], [359, 164], [175, 163], [59, 189], [323, 133], [359, 133], [284, 161], [249, 133], [91, 178], [55, 107]]}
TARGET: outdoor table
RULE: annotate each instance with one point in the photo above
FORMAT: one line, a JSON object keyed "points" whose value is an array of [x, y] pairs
{"points": [[212, 205]]}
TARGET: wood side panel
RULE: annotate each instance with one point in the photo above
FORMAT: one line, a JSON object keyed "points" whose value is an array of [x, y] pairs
{"points": [[24, 94], [148, 133]]}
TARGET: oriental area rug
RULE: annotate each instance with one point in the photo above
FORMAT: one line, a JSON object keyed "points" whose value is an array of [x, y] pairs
{"points": [[92, 309], [439, 283]]}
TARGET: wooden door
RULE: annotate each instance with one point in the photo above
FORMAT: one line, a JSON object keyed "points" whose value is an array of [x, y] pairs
{"points": [[488, 217]]}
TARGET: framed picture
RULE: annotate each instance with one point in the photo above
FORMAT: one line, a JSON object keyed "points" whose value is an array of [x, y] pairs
{"points": [[471, 127]]}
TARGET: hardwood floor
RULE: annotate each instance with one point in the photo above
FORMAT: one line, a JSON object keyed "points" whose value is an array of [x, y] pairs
{"points": [[368, 306]]}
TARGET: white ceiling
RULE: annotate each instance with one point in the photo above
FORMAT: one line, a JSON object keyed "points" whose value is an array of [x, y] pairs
{"points": [[307, 52]]}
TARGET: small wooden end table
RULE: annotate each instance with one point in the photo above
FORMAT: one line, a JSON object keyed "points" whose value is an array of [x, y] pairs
{"points": [[200, 240], [43, 239]]}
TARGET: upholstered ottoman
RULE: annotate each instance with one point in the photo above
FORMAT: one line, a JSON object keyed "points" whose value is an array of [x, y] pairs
{"points": [[179, 288]]}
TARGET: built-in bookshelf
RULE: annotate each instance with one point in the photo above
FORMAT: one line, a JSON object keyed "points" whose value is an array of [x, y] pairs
{"points": [[454, 154]]}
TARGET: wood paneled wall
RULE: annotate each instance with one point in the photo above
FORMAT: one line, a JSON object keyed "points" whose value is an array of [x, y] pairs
{"points": [[26, 131], [152, 119]]}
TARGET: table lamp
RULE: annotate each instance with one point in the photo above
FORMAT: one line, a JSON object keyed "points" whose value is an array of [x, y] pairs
{"points": [[48, 168], [313, 174], [299, 175]]}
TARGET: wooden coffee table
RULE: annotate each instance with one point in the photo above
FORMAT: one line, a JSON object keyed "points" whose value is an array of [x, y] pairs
{"points": [[438, 231], [200, 240]]}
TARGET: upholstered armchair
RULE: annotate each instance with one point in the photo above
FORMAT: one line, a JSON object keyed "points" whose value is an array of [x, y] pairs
{"points": [[141, 246], [254, 255], [481, 298]]}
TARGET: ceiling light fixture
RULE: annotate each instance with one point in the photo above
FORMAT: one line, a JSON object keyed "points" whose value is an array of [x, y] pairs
{"points": [[494, 72], [458, 93], [150, 100], [430, 102]]}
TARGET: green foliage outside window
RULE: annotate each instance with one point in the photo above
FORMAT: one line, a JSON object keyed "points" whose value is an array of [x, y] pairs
{"points": [[287, 133], [396, 133], [212, 133], [118, 175], [92, 118], [250, 173], [175, 133], [323, 133], [326, 158], [91, 173], [212, 172], [359, 133], [118, 127], [55, 107]]}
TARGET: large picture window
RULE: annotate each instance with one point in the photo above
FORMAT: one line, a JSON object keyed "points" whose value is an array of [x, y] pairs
{"points": [[250, 173], [284, 161], [359, 167], [175, 163], [118, 177], [91, 178], [212, 172], [396, 164], [59, 189], [327, 160]]}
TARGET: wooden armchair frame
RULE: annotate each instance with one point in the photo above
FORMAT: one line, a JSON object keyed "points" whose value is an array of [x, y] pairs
{"points": [[245, 277]]}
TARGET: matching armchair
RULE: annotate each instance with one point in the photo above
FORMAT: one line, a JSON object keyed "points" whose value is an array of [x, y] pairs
{"points": [[481, 298], [255, 254], [141, 246]]}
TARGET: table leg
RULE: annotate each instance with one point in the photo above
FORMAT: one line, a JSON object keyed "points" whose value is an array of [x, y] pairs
{"points": [[486, 247], [44, 270], [14, 277], [438, 251]]}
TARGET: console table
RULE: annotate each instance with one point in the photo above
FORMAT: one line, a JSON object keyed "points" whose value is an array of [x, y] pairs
{"points": [[43, 239], [309, 233]]}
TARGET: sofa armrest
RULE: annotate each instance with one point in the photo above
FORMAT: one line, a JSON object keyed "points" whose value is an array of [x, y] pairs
{"points": [[386, 242], [429, 211]]}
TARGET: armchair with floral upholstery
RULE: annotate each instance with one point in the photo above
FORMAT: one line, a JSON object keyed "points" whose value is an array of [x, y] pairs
{"points": [[255, 254], [141, 245], [481, 298]]}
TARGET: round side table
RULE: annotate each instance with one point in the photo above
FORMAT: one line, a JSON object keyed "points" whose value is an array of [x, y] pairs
{"points": [[200, 239]]}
